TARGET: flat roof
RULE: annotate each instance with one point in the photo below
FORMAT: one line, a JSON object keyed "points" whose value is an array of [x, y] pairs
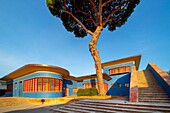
{"points": [[135, 59], [30, 68]]}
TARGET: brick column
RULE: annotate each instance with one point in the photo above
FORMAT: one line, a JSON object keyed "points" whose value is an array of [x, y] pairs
{"points": [[133, 97]]}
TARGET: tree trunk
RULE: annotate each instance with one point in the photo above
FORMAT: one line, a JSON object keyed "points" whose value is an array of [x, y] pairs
{"points": [[96, 57]]}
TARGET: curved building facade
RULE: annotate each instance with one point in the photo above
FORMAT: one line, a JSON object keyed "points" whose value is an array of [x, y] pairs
{"points": [[36, 81]]}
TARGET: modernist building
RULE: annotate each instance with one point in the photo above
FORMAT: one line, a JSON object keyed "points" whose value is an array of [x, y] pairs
{"points": [[46, 81]]}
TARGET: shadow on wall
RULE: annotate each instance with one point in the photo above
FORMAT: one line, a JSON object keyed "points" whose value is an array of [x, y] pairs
{"points": [[119, 88], [65, 86]]}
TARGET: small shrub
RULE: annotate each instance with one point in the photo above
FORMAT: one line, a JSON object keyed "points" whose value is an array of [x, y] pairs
{"points": [[80, 92], [87, 92], [93, 91]]}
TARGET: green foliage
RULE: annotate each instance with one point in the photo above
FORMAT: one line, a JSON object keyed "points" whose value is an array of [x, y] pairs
{"points": [[80, 92], [93, 91], [114, 13], [87, 92]]}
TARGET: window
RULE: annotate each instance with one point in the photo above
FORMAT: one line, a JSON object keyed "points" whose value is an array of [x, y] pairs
{"points": [[57, 82], [95, 85], [51, 84], [126, 84], [90, 85], [118, 70], [119, 85], [42, 84], [45, 84]]}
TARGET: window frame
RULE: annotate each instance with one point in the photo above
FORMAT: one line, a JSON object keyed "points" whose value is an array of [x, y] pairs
{"points": [[119, 70], [126, 84], [119, 85], [39, 85]]}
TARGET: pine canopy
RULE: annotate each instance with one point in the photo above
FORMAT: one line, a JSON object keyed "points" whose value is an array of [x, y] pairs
{"points": [[80, 16]]}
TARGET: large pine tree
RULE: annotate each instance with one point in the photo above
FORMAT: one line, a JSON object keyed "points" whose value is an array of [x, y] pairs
{"points": [[84, 17]]}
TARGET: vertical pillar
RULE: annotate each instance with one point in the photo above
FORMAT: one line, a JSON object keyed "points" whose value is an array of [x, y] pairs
{"points": [[133, 97]]}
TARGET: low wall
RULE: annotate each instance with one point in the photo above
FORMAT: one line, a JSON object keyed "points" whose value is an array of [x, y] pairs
{"points": [[161, 76], [11, 101]]}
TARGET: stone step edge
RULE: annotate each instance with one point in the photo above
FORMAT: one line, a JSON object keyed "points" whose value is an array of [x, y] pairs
{"points": [[103, 109], [131, 103], [131, 107], [84, 109]]}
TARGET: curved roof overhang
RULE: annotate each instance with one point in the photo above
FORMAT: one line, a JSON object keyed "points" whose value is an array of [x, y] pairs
{"points": [[135, 59], [31, 68]]}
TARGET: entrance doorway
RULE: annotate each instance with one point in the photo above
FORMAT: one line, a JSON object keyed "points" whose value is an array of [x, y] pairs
{"points": [[20, 89]]}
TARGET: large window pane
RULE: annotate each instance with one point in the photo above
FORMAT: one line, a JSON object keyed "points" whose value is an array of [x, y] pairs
{"points": [[51, 84], [39, 84], [35, 84], [45, 84], [57, 82], [61, 85]]}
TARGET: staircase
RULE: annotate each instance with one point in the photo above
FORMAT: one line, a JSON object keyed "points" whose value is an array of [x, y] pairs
{"points": [[110, 106], [149, 89]]}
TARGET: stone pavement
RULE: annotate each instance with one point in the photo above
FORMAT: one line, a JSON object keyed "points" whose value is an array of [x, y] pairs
{"points": [[26, 108]]}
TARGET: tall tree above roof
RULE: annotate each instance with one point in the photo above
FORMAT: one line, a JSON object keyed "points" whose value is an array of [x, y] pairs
{"points": [[84, 17]]}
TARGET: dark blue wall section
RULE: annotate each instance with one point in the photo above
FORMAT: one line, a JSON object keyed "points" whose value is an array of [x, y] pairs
{"points": [[119, 79], [159, 79]]}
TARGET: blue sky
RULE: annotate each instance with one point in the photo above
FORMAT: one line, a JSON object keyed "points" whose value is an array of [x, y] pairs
{"points": [[30, 34]]}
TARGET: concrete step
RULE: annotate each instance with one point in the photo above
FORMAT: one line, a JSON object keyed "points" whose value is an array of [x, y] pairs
{"points": [[106, 108], [152, 96], [73, 110], [157, 105], [111, 106], [147, 98], [151, 88], [152, 91], [155, 101], [127, 106], [58, 110], [87, 109]]}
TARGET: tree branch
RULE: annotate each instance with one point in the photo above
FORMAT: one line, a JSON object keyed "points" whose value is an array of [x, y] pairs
{"points": [[100, 13], [113, 12], [107, 19], [87, 15], [94, 8], [78, 21], [65, 4], [107, 2], [90, 19]]}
